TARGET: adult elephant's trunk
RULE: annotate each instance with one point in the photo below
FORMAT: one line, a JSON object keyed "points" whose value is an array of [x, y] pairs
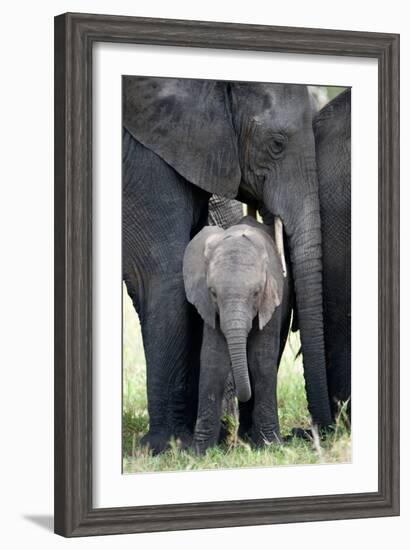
{"points": [[236, 339], [302, 226], [306, 258]]}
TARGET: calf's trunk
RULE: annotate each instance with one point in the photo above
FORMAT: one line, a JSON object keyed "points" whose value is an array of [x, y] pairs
{"points": [[236, 339]]}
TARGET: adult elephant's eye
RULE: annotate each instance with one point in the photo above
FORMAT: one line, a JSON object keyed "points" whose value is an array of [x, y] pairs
{"points": [[212, 291], [277, 145]]}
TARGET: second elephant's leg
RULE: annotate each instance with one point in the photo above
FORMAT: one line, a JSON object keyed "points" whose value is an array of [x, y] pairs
{"points": [[215, 365]]}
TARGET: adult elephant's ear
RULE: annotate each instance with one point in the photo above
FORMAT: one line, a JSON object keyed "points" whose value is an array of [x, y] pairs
{"points": [[194, 271], [188, 124]]}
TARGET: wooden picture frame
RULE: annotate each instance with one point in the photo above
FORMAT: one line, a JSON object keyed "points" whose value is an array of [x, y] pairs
{"points": [[75, 35]]}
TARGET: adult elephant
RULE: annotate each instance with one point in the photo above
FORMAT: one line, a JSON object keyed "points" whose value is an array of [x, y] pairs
{"points": [[183, 140], [332, 136]]}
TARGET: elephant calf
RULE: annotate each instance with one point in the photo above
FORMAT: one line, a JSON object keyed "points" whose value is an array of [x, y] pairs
{"points": [[236, 280]]}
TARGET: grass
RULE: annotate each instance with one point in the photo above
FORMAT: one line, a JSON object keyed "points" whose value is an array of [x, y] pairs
{"points": [[234, 453]]}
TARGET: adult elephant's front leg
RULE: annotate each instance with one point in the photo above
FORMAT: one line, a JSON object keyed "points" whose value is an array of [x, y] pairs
{"points": [[172, 337], [160, 213]]}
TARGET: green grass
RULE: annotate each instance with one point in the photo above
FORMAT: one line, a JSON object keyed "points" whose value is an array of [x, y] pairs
{"points": [[234, 453]]}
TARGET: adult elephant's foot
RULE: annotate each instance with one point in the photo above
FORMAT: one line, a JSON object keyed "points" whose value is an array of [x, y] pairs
{"points": [[183, 439], [309, 434], [156, 442], [300, 433]]}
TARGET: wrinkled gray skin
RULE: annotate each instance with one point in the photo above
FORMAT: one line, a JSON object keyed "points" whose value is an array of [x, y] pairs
{"points": [[224, 212], [184, 139], [235, 280], [333, 138]]}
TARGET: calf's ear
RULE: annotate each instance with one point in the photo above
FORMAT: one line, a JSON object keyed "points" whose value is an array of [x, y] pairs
{"points": [[195, 270]]}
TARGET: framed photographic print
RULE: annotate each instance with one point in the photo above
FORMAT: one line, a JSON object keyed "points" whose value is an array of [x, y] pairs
{"points": [[226, 274]]}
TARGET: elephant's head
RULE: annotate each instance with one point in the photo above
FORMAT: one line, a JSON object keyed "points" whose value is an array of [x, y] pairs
{"points": [[255, 141], [230, 277], [276, 150]]}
